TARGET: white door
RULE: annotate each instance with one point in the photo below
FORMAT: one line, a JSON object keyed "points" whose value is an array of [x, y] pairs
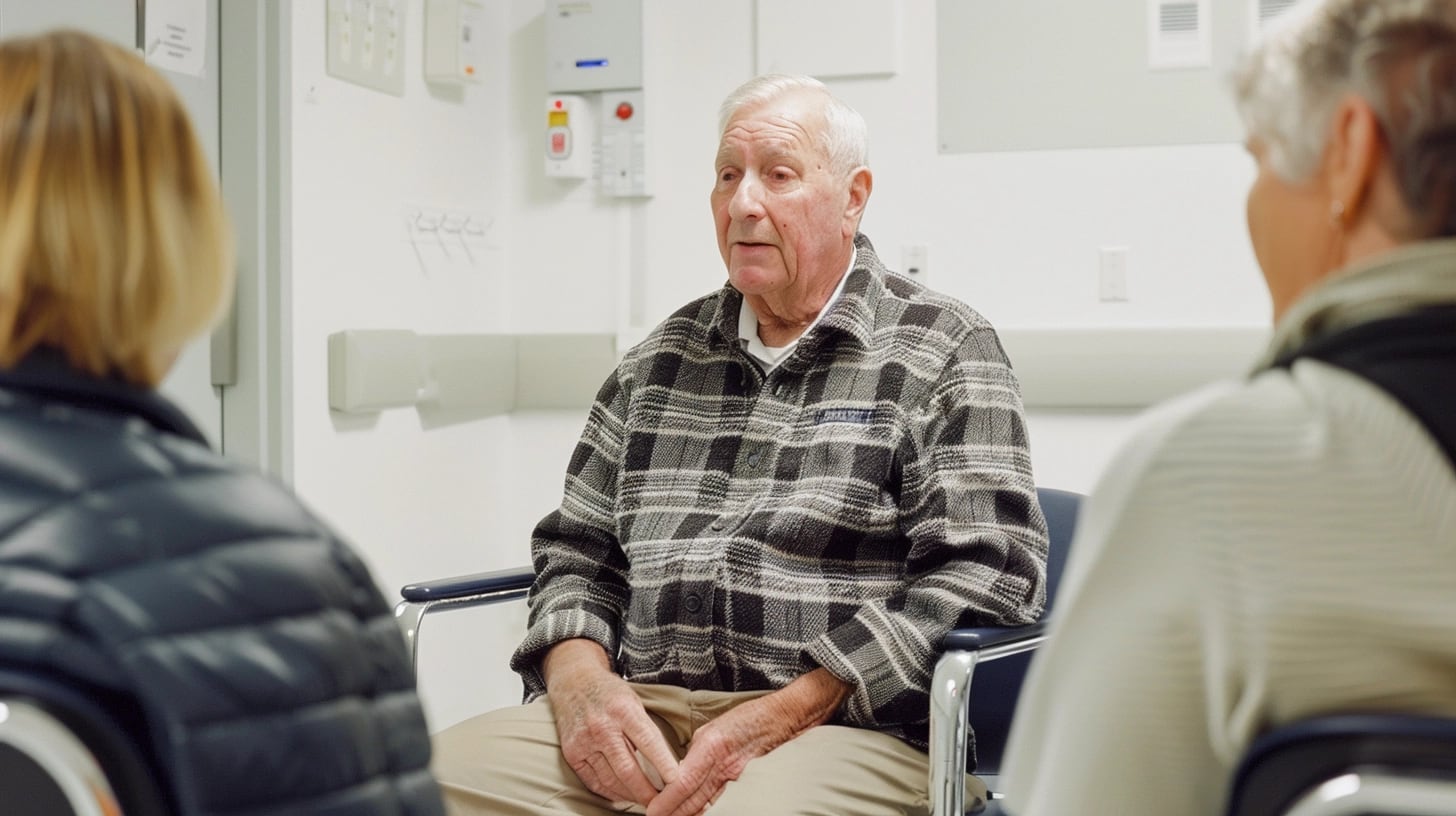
{"points": [[190, 382]]}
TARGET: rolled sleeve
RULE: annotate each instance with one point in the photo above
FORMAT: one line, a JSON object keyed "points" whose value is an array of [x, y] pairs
{"points": [[581, 588]]}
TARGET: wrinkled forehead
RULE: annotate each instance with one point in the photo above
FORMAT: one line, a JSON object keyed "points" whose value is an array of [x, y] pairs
{"points": [[790, 123]]}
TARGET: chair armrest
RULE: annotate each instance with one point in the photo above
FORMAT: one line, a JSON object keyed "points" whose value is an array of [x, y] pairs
{"points": [[456, 592], [465, 586], [995, 641], [950, 693]]}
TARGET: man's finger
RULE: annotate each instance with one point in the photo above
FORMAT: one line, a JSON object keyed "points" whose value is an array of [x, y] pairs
{"points": [[698, 801], [667, 801], [629, 774], [674, 797], [654, 748], [607, 785]]}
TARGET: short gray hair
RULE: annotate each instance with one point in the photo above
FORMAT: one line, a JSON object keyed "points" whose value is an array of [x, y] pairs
{"points": [[845, 139], [1397, 55]]}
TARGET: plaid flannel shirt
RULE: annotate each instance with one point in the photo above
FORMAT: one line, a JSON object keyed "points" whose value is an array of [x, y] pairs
{"points": [[726, 530]]}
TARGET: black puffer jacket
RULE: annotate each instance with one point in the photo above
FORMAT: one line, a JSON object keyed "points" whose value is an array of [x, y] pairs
{"points": [[263, 660]]}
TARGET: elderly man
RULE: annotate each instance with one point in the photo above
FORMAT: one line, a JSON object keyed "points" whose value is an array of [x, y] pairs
{"points": [[783, 499]]}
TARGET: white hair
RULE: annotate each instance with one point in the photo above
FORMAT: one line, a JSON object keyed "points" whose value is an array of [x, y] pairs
{"points": [[845, 139], [1397, 55]]}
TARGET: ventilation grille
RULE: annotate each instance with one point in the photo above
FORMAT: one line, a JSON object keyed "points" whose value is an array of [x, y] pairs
{"points": [[1178, 20], [1269, 9]]}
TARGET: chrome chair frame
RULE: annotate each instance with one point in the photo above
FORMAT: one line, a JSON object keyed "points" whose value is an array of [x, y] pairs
{"points": [[1361, 794], [1349, 765], [90, 743], [44, 740], [950, 705]]}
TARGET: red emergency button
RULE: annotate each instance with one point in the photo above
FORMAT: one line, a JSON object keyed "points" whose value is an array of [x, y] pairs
{"points": [[558, 143], [624, 111]]}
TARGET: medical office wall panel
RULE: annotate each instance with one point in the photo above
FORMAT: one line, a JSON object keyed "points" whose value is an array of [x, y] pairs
{"points": [[865, 40], [1050, 74]]}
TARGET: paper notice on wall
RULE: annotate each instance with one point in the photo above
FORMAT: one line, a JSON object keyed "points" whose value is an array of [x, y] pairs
{"points": [[176, 35]]}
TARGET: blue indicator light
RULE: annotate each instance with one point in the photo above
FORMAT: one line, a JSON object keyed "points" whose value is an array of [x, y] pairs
{"points": [[595, 63]]}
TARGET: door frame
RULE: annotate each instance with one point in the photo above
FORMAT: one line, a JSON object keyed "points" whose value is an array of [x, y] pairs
{"points": [[252, 349]]}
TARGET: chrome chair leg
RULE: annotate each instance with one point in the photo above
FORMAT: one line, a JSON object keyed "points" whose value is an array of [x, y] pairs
{"points": [[950, 693]]}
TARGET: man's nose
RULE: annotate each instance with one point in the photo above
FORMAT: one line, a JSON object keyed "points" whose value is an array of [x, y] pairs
{"points": [[747, 201]]}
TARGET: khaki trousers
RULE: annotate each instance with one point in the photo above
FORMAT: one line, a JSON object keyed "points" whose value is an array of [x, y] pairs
{"points": [[509, 763]]}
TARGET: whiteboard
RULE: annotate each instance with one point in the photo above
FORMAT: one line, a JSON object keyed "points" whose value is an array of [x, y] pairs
{"points": [[1060, 74], [828, 38]]}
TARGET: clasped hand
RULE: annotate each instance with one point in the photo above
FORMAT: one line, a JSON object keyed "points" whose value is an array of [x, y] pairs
{"points": [[603, 728]]}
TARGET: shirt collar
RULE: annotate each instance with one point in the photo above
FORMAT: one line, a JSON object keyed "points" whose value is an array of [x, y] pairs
{"points": [[852, 316], [748, 324]]}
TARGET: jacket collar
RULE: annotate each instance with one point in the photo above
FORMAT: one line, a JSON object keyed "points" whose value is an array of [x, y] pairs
{"points": [[45, 374], [1415, 277], [852, 316]]}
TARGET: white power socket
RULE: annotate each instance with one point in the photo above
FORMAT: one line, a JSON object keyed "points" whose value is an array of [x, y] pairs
{"points": [[1112, 274]]}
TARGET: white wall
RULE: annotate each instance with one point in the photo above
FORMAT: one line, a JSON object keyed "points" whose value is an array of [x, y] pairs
{"points": [[418, 502], [1015, 235]]}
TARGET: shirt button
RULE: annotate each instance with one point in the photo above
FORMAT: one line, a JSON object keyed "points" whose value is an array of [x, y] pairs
{"points": [[692, 602], [717, 524], [754, 458]]}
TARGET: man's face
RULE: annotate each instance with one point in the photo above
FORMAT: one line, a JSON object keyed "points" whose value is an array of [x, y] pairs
{"points": [[782, 213]]}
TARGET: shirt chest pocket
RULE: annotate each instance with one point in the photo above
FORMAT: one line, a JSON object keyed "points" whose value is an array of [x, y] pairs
{"points": [[850, 449], [841, 486]]}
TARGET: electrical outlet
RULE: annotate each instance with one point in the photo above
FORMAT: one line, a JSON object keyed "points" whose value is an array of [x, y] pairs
{"points": [[1112, 275], [915, 263]]}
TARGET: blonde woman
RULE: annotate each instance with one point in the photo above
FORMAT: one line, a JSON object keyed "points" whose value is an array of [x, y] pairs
{"points": [[1283, 546], [248, 644]]}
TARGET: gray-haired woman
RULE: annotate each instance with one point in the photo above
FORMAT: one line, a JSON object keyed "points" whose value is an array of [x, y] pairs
{"points": [[1282, 546]]}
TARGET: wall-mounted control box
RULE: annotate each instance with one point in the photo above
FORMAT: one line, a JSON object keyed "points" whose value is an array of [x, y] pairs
{"points": [[624, 144], [593, 45], [455, 41]]}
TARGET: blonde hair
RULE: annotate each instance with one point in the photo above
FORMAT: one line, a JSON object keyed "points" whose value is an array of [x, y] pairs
{"points": [[114, 245]]}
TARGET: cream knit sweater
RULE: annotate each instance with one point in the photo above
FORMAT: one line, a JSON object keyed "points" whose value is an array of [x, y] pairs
{"points": [[1264, 550]]}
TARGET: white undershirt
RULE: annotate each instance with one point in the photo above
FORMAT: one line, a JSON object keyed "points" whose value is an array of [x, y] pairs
{"points": [[771, 356]]}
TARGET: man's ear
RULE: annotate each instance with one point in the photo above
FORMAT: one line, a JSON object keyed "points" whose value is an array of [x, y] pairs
{"points": [[1352, 156], [861, 182]]}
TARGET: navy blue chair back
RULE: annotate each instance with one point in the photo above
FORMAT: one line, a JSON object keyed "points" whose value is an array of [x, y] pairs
{"points": [[1288, 763], [997, 683]]}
